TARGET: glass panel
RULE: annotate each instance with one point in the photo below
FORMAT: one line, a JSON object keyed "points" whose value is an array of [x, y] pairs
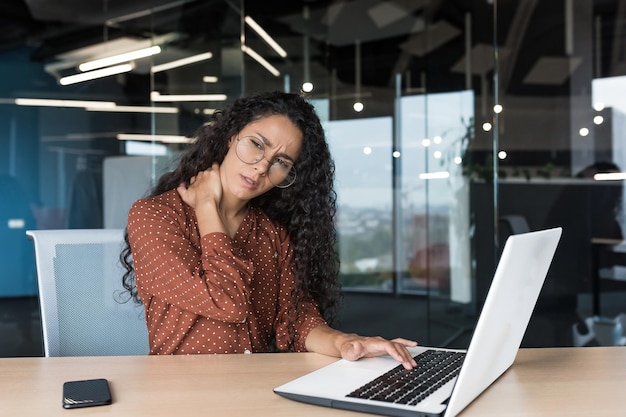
{"points": [[361, 149], [80, 162], [399, 234], [198, 69], [435, 132], [420, 69]]}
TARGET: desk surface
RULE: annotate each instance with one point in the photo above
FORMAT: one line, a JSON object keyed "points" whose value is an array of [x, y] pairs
{"points": [[543, 382]]}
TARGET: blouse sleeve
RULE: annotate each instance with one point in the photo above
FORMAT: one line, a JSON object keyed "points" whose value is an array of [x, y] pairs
{"points": [[211, 280], [297, 314]]}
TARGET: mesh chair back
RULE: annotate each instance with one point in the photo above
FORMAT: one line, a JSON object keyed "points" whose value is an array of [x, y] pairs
{"points": [[84, 309]]}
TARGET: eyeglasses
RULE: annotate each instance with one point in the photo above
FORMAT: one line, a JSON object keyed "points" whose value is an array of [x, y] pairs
{"points": [[251, 150]]}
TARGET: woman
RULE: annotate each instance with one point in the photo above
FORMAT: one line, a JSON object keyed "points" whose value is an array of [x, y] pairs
{"points": [[234, 251]]}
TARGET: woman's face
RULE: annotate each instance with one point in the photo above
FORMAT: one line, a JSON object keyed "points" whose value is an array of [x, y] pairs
{"points": [[269, 140]]}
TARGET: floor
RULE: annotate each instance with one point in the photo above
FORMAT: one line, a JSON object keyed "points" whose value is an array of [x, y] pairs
{"points": [[435, 322]]}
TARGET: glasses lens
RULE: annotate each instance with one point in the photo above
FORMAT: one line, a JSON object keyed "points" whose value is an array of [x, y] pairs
{"points": [[282, 175], [249, 149]]}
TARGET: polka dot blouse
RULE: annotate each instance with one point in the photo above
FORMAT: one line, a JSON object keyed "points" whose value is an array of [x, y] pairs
{"points": [[214, 294]]}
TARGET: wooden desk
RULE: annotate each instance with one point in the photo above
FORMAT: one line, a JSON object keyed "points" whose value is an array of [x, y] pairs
{"points": [[587, 382]]}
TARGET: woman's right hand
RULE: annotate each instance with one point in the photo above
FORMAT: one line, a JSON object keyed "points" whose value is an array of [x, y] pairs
{"points": [[204, 195], [204, 189]]}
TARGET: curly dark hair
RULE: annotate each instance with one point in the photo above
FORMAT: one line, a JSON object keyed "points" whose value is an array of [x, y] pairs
{"points": [[306, 209]]}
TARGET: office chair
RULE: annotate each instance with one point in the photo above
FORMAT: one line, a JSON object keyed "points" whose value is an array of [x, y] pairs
{"points": [[84, 309], [514, 224]]}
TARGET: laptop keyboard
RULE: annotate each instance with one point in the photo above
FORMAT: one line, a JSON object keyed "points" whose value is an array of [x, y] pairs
{"points": [[410, 386]]}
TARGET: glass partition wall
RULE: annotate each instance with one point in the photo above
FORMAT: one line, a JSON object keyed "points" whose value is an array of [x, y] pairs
{"points": [[452, 124]]}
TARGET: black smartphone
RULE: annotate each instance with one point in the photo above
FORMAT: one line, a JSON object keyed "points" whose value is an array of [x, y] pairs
{"points": [[87, 393]]}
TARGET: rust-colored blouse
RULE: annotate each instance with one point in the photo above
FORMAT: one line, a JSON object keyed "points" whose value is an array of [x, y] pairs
{"points": [[214, 294]]}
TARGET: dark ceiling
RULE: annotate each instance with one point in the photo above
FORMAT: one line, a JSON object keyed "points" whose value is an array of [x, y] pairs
{"points": [[427, 40]]}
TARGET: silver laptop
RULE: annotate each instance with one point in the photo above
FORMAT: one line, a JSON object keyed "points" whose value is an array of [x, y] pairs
{"points": [[452, 378]]}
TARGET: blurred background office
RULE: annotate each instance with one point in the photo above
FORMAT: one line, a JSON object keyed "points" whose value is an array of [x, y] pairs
{"points": [[453, 123]]}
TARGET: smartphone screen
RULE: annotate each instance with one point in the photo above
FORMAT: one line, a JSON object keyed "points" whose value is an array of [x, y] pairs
{"points": [[87, 393]]}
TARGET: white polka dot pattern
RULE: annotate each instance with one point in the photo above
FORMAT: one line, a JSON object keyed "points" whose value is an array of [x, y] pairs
{"points": [[214, 294]]}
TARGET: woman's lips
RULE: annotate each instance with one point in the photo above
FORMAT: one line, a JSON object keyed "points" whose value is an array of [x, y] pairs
{"points": [[249, 182]]}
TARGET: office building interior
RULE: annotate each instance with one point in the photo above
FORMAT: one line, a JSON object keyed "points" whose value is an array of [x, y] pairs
{"points": [[452, 124]]}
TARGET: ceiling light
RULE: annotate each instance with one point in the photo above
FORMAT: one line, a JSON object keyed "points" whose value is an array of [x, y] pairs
{"points": [[63, 103], [209, 79], [258, 58], [181, 62], [92, 75], [116, 59], [77, 137], [156, 96], [358, 104], [307, 85], [434, 175], [267, 38], [135, 109], [609, 176], [142, 148], [155, 138]]}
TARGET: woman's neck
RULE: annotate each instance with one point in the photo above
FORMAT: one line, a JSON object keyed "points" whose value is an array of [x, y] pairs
{"points": [[233, 213]]}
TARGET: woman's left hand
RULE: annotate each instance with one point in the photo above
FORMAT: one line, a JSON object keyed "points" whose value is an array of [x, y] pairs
{"points": [[329, 341], [356, 347]]}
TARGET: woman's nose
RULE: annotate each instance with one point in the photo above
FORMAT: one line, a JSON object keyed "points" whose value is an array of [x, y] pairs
{"points": [[263, 165]]}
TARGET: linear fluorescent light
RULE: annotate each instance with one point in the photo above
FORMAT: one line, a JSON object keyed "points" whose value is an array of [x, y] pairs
{"points": [[209, 79], [135, 109], [142, 148], [154, 138], [610, 176], [434, 175], [156, 96], [267, 38], [63, 103], [92, 75], [180, 62], [77, 137], [116, 59], [258, 58], [16, 223]]}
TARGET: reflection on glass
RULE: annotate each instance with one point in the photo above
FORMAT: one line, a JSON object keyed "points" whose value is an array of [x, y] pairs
{"points": [[362, 152], [435, 220]]}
